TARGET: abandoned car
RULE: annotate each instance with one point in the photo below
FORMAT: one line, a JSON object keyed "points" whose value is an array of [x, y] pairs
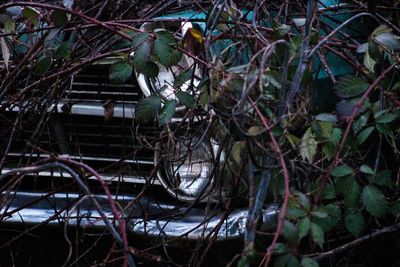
{"points": [[164, 179], [122, 138]]}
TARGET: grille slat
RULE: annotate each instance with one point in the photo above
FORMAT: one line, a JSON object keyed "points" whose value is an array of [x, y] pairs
{"points": [[93, 85], [81, 131]]}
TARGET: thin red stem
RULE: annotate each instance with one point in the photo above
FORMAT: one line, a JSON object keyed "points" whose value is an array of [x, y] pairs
{"points": [[282, 163]]}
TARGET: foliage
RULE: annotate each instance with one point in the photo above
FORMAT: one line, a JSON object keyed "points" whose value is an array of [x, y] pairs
{"points": [[332, 151]]}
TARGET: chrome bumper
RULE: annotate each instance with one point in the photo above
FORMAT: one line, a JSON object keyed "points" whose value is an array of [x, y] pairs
{"points": [[60, 208]]}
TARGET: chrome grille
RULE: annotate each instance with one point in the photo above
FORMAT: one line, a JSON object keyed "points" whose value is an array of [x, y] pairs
{"points": [[79, 129], [92, 85]]}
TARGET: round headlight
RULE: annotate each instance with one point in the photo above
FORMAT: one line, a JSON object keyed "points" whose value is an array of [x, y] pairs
{"points": [[188, 168]]}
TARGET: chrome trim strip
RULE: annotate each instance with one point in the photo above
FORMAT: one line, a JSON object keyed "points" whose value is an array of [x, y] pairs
{"points": [[66, 156], [126, 110], [102, 92], [195, 224], [97, 109], [89, 101], [91, 109], [100, 84], [107, 178]]}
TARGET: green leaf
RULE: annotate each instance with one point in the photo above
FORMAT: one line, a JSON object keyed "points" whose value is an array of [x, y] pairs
{"points": [[331, 221], [302, 200], [120, 72], [308, 146], [281, 248], [281, 29], [323, 129], [150, 69], [352, 194], [374, 54], [176, 56], [293, 261], [395, 209], [290, 232], [307, 262], [317, 234], [374, 201], [282, 261], [272, 80], [63, 51], [319, 214], [42, 65], [341, 171], [147, 108], [257, 130], [294, 45], [298, 206], [369, 61], [386, 118], [350, 86], [59, 18], [139, 38], [328, 192], [342, 184], [383, 128], [384, 178], [163, 47], [388, 40], [31, 14], [379, 112], [9, 25], [243, 262], [183, 77], [142, 56], [186, 99], [296, 213], [314, 37], [361, 122], [327, 117], [354, 222], [396, 86], [234, 85], [167, 112], [224, 17], [367, 170], [304, 227], [364, 134], [237, 151], [381, 29], [329, 148]]}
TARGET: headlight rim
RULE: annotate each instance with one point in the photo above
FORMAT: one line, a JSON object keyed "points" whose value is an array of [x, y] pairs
{"points": [[209, 189]]}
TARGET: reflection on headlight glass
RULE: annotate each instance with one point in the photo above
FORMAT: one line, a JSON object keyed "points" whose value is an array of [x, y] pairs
{"points": [[164, 83], [190, 169]]}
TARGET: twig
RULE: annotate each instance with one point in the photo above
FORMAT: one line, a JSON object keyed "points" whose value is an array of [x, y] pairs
{"points": [[303, 60], [124, 240], [76, 205], [73, 12], [350, 122], [121, 240], [332, 33], [287, 195], [323, 255]]}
